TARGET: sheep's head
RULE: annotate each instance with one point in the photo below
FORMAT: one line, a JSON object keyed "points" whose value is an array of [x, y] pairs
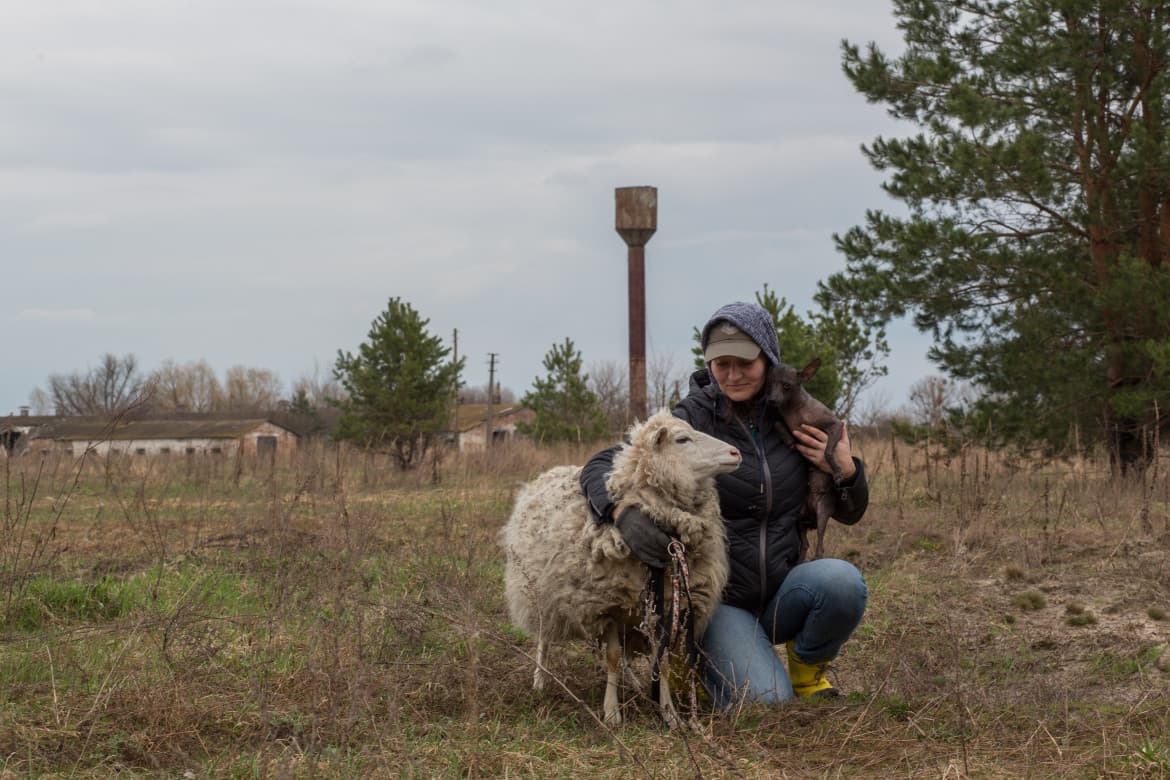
{"points": [[674, 456]]}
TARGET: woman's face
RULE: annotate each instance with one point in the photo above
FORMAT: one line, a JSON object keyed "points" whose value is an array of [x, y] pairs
{"points": [[739, 379]]}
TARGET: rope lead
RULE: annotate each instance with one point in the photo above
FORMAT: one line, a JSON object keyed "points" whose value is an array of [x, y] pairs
{"points": [[682, 623]]}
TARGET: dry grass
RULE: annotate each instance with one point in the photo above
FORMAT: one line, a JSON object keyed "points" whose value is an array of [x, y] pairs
{"points": [[331, 617]]}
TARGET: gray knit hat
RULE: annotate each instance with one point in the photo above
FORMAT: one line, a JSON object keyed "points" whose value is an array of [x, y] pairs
{"points": [[753, 320]]}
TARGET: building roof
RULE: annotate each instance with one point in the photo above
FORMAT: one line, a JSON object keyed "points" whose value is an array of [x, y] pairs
{"points": [[468, 416], [90, 429], [12, 422]]}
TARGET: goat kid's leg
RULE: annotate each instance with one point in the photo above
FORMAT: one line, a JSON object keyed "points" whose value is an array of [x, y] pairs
{"points": [[804, 546], [820, 488], [822, 525], [613, 673], [834, 431], [540, 676]]}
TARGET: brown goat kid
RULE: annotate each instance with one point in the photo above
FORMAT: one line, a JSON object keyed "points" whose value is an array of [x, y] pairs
{"points": [[796, 407]]}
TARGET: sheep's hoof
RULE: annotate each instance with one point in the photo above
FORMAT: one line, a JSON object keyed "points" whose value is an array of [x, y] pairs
{"points": [[670, 717], [538, 678], [613, 717]]}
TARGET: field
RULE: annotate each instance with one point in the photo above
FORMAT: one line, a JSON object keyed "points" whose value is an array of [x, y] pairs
{"points": [[329, 616]]}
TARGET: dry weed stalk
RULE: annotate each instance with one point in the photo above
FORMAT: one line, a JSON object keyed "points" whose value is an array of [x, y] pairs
{"points": [[307, 624]]}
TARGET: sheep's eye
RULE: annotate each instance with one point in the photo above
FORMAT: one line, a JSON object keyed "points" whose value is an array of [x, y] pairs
{"points": [[682, 439], [786, 385]]}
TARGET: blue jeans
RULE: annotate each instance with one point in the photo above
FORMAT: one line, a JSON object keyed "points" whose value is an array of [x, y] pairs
{"points": [[818, 605]]}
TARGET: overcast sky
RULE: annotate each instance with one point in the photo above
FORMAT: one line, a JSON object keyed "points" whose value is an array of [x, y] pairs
{"points": [[250, 182]]}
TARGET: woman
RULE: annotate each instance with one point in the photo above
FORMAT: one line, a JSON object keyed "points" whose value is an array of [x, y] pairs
{"points": [[769, 600]]}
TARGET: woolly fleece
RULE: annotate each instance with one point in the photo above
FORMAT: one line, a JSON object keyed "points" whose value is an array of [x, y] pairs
{"points": [[567, 576]]}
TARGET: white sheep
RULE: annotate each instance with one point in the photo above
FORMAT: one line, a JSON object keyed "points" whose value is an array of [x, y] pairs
{"points": [[569, 577]]}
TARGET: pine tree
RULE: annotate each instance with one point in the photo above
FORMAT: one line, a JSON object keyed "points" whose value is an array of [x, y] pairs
{"points": [[399, 385], [1035, 246], [565, 407]]}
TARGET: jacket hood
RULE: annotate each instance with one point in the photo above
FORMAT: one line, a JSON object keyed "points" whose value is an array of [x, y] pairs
{"points": [[753, 320]]}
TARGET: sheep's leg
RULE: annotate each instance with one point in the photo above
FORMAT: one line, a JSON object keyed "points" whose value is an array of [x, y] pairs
{"points": [[613, 672], [665, 700], [540, 675]]}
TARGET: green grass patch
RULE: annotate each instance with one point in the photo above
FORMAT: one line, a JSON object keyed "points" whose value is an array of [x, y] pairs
{"points": [[1112, 664], [48, 601], [1150, 757], [928, 543], [896, 707]]}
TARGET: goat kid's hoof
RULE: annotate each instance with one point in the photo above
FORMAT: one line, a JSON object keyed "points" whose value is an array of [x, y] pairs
{"points": [[613, 718]]}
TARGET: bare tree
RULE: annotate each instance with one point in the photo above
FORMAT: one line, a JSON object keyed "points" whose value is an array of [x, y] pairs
{"points": [[190, 387], [479, 395], [317, 392], [40, 401], [607, 380], [666, 381], [872, 410], [929, 399], [246, 388], [115, 384]]}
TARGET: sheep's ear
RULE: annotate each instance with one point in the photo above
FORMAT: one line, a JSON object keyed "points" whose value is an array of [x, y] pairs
{"points": [[807, 372], [661, 436]]}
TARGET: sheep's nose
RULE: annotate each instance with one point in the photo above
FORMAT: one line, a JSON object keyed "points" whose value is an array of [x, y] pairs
{"points": [[734, 452]]}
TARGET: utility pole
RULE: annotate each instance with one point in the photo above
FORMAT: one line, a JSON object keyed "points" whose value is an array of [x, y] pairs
{"points": [[636, 220], [455, 389], [487, 443]]}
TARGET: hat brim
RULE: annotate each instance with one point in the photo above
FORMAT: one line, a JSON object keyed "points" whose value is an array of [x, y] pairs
{"points": [[740, 349]]}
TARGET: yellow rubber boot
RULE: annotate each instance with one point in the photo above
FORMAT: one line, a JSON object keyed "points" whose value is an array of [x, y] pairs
{"points": [[808, 679]]}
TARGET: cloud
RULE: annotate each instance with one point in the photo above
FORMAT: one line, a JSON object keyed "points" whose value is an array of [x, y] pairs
{"points": [[250, 187], [55, 315]]}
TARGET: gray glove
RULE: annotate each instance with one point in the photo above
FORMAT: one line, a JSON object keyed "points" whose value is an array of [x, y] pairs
{"points": [[646, 541]]}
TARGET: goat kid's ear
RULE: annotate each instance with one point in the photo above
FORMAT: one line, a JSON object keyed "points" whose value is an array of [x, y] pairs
{"points": [[807, 372]]}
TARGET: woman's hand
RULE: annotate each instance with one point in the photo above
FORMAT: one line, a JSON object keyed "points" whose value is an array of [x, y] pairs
{"points": [[646, 541], [811, 443]]}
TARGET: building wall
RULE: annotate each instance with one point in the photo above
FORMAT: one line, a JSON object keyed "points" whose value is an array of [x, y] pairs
{"points": [[503, 430], [283, 440], [286, 441], [154, 447]]}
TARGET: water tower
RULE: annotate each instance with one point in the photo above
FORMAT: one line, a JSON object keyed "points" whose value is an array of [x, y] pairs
{"points": [[636, 221]]}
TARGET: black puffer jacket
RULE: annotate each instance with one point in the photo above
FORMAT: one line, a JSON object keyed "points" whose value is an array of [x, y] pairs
{"points": [[761, 501]]}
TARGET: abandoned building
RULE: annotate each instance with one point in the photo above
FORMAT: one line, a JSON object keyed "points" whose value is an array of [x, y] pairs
{"points": [[470, 431], [75, 436]]}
